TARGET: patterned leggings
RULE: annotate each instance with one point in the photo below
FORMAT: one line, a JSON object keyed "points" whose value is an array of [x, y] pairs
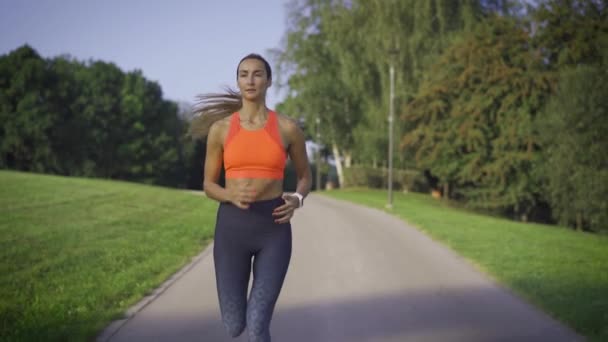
{"points": [[239, 236]]}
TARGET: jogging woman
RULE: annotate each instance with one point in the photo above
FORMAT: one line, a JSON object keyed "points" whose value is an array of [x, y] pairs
{"points": [[252, 143]]}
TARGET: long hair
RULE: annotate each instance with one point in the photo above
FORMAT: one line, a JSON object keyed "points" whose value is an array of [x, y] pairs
{"points": [[216, 106], [211, 108]]}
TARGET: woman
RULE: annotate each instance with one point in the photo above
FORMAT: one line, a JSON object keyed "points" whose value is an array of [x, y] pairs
{"points": [[253, 219]]}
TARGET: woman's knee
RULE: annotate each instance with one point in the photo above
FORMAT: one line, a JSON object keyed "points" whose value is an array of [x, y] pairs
{"points": [[234, 327], [233, 317], [258, 332], [258, 322]]}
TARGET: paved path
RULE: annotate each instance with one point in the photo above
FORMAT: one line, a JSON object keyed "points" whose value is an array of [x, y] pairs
{"points": [[356, 274]]}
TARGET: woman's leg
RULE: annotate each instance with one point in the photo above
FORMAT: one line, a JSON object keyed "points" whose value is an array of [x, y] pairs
{"points": [[269, 270], [232, 268]]}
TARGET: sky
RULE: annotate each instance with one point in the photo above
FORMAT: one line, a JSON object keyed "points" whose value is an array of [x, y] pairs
{"points": [[187, 46]]}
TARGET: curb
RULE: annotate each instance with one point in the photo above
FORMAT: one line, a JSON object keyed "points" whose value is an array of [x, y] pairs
{"points": [[116, 325]]}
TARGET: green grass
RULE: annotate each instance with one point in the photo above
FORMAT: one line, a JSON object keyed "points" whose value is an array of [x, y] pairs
{"points": [[561, 271], [76, 253]]}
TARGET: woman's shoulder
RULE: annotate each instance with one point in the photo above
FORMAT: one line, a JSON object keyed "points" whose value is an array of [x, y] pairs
{"points": [[222, 123], [220, 127], [286, 122]]}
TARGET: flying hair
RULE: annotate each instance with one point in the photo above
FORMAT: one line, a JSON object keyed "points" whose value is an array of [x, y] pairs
{"points": [[212, 107]]}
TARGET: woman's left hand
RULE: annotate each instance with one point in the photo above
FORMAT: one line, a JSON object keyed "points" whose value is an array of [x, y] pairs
{"points": [[285, 212]]}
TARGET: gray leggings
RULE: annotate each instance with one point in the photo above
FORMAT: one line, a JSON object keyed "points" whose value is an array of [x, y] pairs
{"points": [[239, 236]]}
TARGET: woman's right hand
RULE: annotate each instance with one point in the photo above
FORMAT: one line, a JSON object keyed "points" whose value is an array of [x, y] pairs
{"points": [[242, 196]]}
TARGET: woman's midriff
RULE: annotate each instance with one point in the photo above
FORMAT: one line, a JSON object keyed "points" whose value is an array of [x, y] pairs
{"points": [[265, 189]]}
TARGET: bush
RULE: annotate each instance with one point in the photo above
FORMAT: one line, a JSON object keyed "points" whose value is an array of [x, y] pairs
{"points": [[290, 181], [376, 178]]}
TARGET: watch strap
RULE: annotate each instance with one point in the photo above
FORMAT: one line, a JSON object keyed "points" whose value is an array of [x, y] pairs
{"points": [[300, 199]]}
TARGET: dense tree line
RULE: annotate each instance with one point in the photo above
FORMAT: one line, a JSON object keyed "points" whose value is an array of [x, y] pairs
{"points": [[91, 119], [502, 103]]}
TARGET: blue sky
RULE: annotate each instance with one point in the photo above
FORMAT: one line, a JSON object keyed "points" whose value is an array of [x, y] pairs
{"points": [[187, 46]]}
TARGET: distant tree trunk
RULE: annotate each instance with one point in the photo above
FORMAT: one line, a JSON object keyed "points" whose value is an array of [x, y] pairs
{"points": [[338, 159], [348, 159], [579, 221], [446, 190], [521, 212]]}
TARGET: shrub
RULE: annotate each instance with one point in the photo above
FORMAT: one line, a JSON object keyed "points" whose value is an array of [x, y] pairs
{"points": [[376, 178]]}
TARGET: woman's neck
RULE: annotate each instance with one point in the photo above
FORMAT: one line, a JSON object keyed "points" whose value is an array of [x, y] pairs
{"points": [[253, 111]]}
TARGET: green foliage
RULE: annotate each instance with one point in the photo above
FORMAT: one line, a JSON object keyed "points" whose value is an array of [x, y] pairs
{"points": [[336, 60], [24, 111], [574, 130], [471, 77], [571, 32], [572, 37], [315, 89], [473, 116], [87, 119], [376, 178]]}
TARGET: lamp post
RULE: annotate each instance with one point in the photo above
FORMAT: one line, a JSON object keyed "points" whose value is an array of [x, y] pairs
{"points": [[391, 119], [391, 115], [318, 153]]}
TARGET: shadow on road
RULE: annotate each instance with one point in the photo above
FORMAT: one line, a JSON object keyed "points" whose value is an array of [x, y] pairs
{"points": [[454, 315]]}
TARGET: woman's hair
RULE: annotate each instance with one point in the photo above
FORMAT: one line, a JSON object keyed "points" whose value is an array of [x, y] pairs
{"points": [[216, 106]]}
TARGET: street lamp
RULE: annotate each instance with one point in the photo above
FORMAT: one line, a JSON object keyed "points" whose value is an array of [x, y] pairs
{"points": [[391, 119], [318, 153]]}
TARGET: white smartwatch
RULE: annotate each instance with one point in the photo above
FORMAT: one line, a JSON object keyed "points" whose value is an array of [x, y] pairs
{"points": [[300, 199]]}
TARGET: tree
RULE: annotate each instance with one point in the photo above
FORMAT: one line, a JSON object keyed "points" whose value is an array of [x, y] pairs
{"points": [[473, 118], [87, 119], [69, 136], [336, 58], [365, 34], [24, 113], [572, 36], [575, 142], [571, 32], [316, 90]]}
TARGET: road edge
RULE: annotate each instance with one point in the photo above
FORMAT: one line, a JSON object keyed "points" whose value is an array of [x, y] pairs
{"points": [[114, 327]]}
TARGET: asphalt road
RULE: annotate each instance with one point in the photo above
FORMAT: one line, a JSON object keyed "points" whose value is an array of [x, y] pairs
{"points": [[356, 274]]}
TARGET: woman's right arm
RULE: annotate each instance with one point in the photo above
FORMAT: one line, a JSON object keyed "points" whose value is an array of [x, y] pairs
{"points": [[213, 165]]}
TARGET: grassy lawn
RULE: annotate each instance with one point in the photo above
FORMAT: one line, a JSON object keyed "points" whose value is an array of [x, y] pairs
{"points": [[76, 253], [557, 269]]}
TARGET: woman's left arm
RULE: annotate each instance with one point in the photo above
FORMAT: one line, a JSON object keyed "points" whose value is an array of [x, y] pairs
{"points": [[297, 152]]}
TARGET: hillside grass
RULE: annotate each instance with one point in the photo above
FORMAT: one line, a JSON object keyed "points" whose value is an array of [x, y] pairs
{"points": [[76, 253]]}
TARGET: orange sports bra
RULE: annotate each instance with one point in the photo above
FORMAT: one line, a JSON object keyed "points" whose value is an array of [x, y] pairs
{"points": [[254, 154]]}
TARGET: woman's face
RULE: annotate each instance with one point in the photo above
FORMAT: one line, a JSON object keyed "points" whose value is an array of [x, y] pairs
{"points": [[252, 79]]}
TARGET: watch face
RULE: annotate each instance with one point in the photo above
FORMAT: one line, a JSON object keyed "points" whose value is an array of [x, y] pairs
{"points": [[300, 200]]}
